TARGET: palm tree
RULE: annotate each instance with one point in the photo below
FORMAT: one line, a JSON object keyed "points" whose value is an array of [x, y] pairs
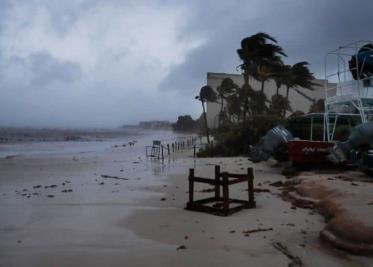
{"points": [[300, 75], [255, 52], [206, 94], [281, 75], [225, 89], [279, 105]]}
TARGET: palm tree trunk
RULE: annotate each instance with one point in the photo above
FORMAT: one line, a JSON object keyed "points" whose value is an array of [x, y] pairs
{"points": [[246, 102], [262, 86], [206, 126], [304, 95], [221, 110], [287, 93]]}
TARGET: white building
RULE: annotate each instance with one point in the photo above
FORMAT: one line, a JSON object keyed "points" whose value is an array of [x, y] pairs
{"points": [[297, 101]]}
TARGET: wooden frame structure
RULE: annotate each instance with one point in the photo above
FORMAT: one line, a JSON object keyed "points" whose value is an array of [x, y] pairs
{"points": [[221, 205]]}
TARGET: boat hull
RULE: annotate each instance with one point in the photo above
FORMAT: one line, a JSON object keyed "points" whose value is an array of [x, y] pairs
{"points": [[309, 152]]}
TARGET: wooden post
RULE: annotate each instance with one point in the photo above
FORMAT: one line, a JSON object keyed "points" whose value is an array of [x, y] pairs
{"points": [[168, 149], [250, 190], [225, 193], [191, 186], [173, 147], [162, 152], [146, 151], [194, 151], [217, 179]]}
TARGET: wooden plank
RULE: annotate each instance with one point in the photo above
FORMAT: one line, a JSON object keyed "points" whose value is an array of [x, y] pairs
{"points": [[204, 180]]}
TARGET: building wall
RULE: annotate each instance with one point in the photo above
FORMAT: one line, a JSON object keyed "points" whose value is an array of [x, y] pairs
{"points": [[297, 101]]}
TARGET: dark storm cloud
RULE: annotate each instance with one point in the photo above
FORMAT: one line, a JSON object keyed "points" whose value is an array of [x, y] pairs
{"points": [[108, 62], [307, 30]]}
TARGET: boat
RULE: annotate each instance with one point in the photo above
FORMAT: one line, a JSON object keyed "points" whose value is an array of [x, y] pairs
{"points": [[350, 68]]}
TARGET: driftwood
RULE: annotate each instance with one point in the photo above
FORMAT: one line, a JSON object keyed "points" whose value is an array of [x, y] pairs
{"points": [[295, 260], [257, 230], [113, 177]]}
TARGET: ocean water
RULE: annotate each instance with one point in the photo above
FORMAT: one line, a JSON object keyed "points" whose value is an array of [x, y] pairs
{"points": [[54, 142]]}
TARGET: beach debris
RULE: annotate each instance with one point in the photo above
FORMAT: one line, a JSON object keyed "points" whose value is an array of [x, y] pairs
{"points": [[113, 177], [295, 260], [222, 180], [208, 190], [19, 241], [66, 190], [181, 247], [248, 232], [50, 186], [37, 186], [277, 184], [50, 196], [232, 231], [261, 190], [10, 156], [186, 237], [370, 203], [102, 183], [163, 199]]}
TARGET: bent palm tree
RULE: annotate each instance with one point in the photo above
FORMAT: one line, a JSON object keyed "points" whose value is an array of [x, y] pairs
{"points": [[225, 89], [255, 52], [300, 75], [206, 94]]}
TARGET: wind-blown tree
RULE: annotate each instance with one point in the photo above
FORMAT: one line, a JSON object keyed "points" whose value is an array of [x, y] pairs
{"points": [[300, 75], [279, 105], [281, 75], [226, 88], [255, 53], [206, 94], [234, 104]]}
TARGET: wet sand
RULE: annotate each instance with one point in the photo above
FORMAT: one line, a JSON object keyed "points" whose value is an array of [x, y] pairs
{"points": [[141, 221]]}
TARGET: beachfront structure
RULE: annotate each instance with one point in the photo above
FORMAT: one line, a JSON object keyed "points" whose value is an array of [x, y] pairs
{"points": [[351, 68], [297, 101]]}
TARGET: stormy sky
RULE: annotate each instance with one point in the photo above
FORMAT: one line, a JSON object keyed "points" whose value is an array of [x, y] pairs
{"points": [[103, 63]]}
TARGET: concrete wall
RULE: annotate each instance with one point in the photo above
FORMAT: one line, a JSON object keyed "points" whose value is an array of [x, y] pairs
{"points": [[297, 101]]}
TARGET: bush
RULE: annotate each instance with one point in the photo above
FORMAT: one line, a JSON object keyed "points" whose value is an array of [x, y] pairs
{"points": [[235, 139]]}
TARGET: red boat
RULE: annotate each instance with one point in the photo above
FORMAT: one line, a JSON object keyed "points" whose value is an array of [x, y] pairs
{"points": [[309, 152]]}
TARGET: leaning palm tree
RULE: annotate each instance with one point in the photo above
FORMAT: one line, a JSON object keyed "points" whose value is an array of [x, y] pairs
{"points": [[300, 75], [281, 75], [255, 52], [206, 94], [225, 89]]}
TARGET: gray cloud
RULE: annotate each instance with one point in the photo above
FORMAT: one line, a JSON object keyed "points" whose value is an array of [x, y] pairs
{"points": [[47, 70], [108, 62]]}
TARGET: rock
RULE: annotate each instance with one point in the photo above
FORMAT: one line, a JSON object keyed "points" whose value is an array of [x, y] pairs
{"points": [[50, 196], [181, 247], [163, 199], [37, 186]]}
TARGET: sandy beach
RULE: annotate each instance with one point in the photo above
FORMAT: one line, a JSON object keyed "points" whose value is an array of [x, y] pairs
{"points": [[65, 209]]}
